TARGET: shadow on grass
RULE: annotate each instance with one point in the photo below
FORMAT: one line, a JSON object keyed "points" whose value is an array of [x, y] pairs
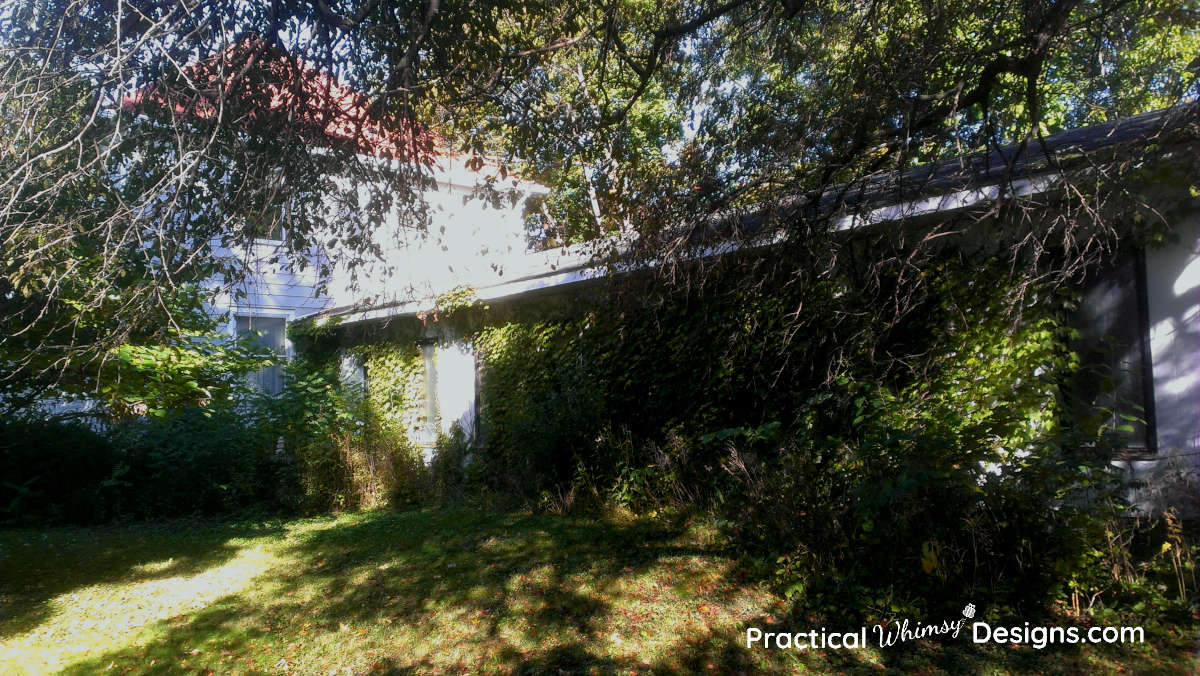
{"points": [[507, 573], [37, 566], [457, 591]]}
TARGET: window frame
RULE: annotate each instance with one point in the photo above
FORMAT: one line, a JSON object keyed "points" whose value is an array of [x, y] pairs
{"points": [[280, 230], [283, 353]]}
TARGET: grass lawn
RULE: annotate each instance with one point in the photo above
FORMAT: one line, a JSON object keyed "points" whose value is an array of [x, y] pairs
{"points": [[436, 591]]}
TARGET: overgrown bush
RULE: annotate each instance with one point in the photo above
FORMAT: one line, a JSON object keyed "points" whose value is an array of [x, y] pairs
{"points": [[192, 461], [869, 467], [348, 449], [450, 468], [54, 472], [321, 444]]}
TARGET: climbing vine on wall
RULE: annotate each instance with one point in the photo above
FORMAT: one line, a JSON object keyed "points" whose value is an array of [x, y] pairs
{"points": [[352, 438], [811, 446], [395, 384]]}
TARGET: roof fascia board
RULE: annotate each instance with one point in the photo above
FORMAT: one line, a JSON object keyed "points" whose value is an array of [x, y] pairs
{"points": [[572, 265], [447, 172], [950, 202]]}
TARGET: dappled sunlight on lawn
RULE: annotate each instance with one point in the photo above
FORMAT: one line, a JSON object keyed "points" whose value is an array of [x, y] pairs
{"points": [[422, 591], [99, 617], [448, 590], [72, 594]]}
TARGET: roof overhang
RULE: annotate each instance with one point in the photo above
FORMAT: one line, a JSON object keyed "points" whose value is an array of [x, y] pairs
{"points": [[957, 185]]}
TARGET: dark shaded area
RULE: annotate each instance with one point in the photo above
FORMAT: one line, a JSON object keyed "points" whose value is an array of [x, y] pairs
{"points": [[194, 461]]}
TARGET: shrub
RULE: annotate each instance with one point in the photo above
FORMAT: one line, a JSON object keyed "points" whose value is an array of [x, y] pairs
{"points": [[190, 461], [346, 453], [194, 461], [55, 472], [319, 445]]}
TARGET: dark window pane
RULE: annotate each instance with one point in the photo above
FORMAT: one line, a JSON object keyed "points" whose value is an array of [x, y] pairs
{"points": [[1113, 348], [267, 225]]}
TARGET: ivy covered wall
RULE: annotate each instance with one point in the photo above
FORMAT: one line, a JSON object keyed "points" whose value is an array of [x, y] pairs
{"points": [[395, 385], [814, 431], [821, 442], [557, 386], [353, 401]]}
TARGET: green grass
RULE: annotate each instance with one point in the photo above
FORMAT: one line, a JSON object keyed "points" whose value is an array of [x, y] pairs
{"points": [[434, 591]]}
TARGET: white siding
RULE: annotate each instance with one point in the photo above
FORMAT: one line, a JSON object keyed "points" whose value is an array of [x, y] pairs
{"points": [[1173, 292], [1173, 295], [456, 387]]}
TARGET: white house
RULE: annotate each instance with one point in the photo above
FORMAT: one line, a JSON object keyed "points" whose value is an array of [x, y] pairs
{"points": [[467, 242], [1150, 301]]}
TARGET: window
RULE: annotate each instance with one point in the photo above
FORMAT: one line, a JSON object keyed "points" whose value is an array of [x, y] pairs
{"points": [[267, 225], [271, 333], [1114, 344]]}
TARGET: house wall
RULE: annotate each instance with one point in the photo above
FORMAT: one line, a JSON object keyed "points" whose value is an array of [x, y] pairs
{"points": [[1169, 477], [1173, 299], [468, 241], [280, 286], [1173, 293], [472, 243], [276, 288], [456, 394]]}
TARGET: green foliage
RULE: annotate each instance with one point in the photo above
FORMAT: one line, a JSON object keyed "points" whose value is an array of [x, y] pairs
{"points": [[195, 461], [678, 109], [457, 300], [319, 445], [451, 471], [178, 360], [349, 446], [960, 456], [191, 461], [317, 340], [156, 378], [396, 385], [52, 472], [540, 407]]}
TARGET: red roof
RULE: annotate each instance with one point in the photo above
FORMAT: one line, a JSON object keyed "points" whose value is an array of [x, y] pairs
{"points": [[302, 101]]}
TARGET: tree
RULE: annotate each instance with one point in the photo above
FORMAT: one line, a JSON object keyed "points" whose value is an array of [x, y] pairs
{"points": [[147, 131]]}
